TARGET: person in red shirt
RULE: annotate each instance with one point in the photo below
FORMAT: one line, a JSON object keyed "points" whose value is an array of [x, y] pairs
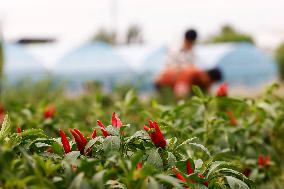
{"points": [[180, 73], [180, 79]]}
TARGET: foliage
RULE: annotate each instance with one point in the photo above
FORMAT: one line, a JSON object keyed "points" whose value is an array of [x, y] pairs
{"points": [[134, 35], [229, 34], [279, 56], [106, 36], [199, 133]]}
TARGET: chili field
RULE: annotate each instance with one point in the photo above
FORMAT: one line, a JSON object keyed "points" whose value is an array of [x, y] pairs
{"points": [[50, 139]]}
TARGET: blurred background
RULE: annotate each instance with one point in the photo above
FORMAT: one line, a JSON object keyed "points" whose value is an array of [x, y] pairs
{"points": [[119, 42]]}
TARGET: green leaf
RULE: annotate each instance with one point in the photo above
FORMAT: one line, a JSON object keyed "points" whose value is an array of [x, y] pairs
{"points": [[138, 135], [170, 180], [185, 142], [92, 142], [111, 144], [41, 142], [115, 184], [136, 158], [76, 183], [129, 98], [171, 143], [6, 128], [171, 159], [72, 157], [215, 165], [197, 91], [201, 147], [154, 158], [189, 142], [112, 130], [153, 184], [235, 183], [14, 140], [236, 174], [33, 134], [98, 179]]}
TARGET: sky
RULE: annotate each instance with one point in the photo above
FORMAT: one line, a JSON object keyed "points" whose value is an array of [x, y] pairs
{"points": [[162, 21]]}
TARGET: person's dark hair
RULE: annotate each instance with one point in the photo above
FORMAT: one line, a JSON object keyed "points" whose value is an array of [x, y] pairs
{"points": [[190, 35], [215, 74]]}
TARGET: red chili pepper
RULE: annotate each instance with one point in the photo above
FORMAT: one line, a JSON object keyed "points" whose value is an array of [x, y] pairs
{"points": [[263, 160], [156, 136], [222, 90], [80, 144], [146, 128], [94, 134], [116, 121], [189, 171], [65, 142], [139, 165], [189, 168], [83, 139], [2, 114], [267, 161], [19, 130], [49, 112], [103, 129], [178, 175]]}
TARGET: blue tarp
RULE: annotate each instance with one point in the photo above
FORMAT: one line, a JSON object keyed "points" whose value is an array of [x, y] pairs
{"points": [[247, 65], [19, 64], [94, 61]]}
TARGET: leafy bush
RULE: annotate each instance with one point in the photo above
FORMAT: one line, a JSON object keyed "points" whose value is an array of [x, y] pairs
{"points": [[205, 141], [279, 56], [229, 34]]}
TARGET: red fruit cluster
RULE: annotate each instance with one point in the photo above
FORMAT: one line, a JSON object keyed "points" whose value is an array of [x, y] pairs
{"points": [[103, 128], [263, 160], [115, 121], [156, 136], [189, 170], [81, 140], [49, 112], [222, 90]]}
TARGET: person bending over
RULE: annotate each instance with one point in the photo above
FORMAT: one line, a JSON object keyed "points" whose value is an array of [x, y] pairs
{"points": [[181, 80]]}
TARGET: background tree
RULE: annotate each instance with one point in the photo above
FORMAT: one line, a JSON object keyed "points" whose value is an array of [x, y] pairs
{"points": [[134, 35], [229, 34], [279, 56], [106, 36]]}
